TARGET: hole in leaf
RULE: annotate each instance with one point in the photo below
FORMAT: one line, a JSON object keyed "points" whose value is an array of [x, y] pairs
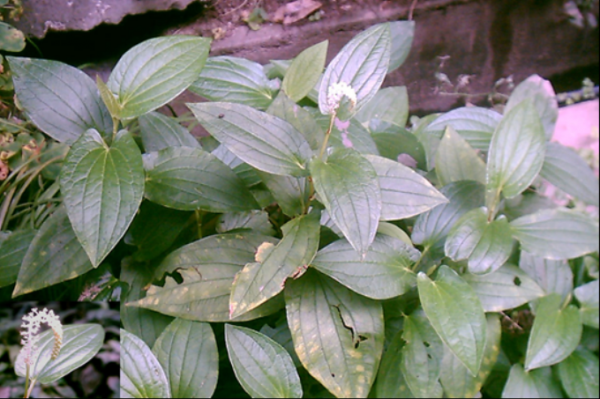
{"points": [[362, 338], [517, 281], [429, 356], [333, 375], [427, 344]]}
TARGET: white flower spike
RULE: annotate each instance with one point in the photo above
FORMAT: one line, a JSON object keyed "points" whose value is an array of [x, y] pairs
{"points": [[336, 94], [30, 329]]}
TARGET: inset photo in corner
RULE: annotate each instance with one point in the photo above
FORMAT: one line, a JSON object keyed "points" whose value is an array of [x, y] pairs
{"points": [[59, 349]]}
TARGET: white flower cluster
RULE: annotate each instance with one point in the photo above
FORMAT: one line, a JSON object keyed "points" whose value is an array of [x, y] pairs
{"points": [[31, 327], [336, 94]]}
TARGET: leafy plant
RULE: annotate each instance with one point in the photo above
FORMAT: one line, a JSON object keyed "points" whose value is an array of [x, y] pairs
{"points": [[363, 256]]}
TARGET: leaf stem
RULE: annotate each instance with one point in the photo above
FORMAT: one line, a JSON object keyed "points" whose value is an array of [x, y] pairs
{"points": [[27, 382], [327, 134], [199, 215], [418, 262], [492, 204]]}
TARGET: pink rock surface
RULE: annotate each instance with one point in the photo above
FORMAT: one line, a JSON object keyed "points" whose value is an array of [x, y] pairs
{"points": [[577, 126]]}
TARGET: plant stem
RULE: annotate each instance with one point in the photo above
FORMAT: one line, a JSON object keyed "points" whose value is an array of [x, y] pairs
{"points": [[199, 215], [492, 204], [327, 134], [418, 262], [27, 382]]}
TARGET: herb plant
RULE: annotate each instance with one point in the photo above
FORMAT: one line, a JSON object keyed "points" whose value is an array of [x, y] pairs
{"points": [[347, 251]]}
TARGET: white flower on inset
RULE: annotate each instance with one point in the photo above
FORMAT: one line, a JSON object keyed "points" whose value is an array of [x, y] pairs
{"points": [[336, 94], [30, 329]]}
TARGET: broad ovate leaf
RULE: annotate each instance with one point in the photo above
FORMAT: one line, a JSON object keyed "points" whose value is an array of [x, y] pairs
{"points": [[454, 376], [362, 64], [557, 233], [475, 125], [235, 80], [347, 185], [404, 193], [261, 140], [257, 221], [187, 352], [579, 374], [587, 296], [291, 193], [565, 169], [102, 188], [431, 228], [338, 335], [403, 34], [553, 276], [261, 280], [158, 131], [486, 245], [156, 71], [456, 314], [142, 376], [188, 179], [388, 105], [305, 71], [54, 256], [533, 384], [13, 247], [261, 365], [507, 288], [59, 99], [384, 273], [555, 334], [421, 357], [541, 92], [80, 343], [456, 160], [516, 152], [391, 382]]}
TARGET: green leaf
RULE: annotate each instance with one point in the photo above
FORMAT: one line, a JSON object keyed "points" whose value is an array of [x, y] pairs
{"points": [[456, 160], [299, 118], [158, 131], [142, 376], [187, 352], [54, 256], [457, 380], [154, 230], [384, 273], [145, 324], [59, 99], [347, 186], [390, 379], [11, 39], [516, 152], [404, 192], [534, 384], [587, 296], [261, 365], [555, 334], [109, 99], [338, 335], [388, 105], [261, 140], [257, 221], [475, 125], [304, 72], [421, 357], [565, 169], [556, 234], [291, 193], [554, 277], [361, 64], [80, 344], [507, 288], [235, 80], [579, 374], [456, 314], [187, 179], [431, 228], [540, 91], [486, 245], [402, 34], [156, 71], [102, 190], [397, 143], [261, 280], [13, 247], [394, 231]]}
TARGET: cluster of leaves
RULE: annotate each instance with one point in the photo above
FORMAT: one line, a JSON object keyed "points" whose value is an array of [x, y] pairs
{"points": [[364, 256], [89, 360], [11, 38]]}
